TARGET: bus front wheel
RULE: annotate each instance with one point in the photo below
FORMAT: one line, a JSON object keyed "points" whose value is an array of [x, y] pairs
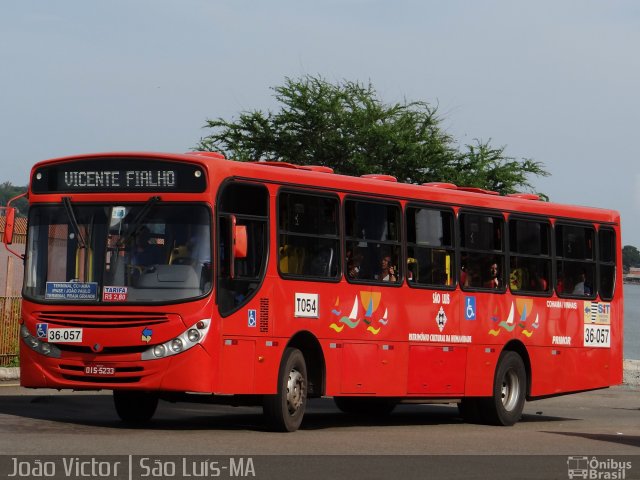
{"points": [[284, 411], [135, 407], [509, 391]]}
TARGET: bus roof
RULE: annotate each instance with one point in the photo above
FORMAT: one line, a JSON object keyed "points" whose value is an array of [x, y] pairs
{"points": [[379, 185]]}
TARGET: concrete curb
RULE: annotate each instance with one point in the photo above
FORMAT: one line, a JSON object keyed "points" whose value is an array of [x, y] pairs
{"points": [[10, 373], [631, 373]]}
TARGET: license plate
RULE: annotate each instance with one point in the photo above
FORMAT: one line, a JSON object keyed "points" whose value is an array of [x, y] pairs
{"points": [[64, 335], [99, 370], [597, 336]]}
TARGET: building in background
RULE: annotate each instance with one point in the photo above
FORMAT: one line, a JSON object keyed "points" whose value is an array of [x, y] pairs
{"points": [[633, 276]]}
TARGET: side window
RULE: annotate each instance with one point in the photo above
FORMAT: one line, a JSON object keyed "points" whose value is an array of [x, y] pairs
{"points": [[309, 239], [245, 207], [607, 262], [372, 247], [482, 259], [530, 257], [430, 247], [575, 260]]}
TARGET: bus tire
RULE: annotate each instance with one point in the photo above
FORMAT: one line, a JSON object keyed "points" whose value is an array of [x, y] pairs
{"points": [[135, 407], [283, 411], [365, 406], [509, 391]]}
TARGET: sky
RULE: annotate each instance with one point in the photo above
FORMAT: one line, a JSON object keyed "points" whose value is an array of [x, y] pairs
{"points": [[556, 81]]}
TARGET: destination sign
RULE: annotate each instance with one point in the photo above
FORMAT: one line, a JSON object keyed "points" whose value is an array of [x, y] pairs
{"points": [[119, 175], [117, 178], [71, 291]]}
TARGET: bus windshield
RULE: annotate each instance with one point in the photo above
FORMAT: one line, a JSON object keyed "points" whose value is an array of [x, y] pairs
{"points": [[150, 253]]}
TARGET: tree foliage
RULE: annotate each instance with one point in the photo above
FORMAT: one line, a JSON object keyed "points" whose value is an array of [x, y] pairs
{"points": [[8, 191], [630, 257], [346, 126]]}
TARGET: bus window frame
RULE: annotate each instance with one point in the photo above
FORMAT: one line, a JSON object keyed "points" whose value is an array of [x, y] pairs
{"points": [[453, 247], [550, 257], [400, 243], [266, 244], [322, 194], [612, 263], [558, 259], [206, 205], [488, 212]]}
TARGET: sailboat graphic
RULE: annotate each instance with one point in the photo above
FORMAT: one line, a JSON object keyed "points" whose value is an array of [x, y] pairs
{"points": [[384, 320], [354, 311], [369, 301], [351, 321], [508, 325], [335, 310]]}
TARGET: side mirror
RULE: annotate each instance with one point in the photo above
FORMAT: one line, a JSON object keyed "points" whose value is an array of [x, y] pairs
{"points": [[9, 221], [9, 224], [238, 242]]}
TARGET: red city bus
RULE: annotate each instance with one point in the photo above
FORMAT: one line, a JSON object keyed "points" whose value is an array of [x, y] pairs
{"points": [[161, 276]]}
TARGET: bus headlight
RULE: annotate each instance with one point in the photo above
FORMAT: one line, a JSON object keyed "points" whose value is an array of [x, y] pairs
{"points": [[179, 344], [159, 351], [176, 345], [193, 335], [37, 345]]}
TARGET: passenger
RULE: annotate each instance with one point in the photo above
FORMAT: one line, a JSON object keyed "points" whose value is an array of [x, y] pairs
{"points": [[538, 282], [493, 279], [387, 270], [469, 276], [354, 264], [581, 287], [353, 268], [412, 265], [143, 252]]}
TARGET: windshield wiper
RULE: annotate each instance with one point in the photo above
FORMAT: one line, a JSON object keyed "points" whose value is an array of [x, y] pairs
{"points": [[136, 224], [73, 221]]}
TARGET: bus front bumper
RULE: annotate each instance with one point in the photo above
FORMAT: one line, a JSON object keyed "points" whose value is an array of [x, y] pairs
{"points": [[189, 371]]}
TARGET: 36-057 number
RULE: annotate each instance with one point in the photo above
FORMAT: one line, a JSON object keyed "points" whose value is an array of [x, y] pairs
{"points": [[597, 336], [70, 335]]}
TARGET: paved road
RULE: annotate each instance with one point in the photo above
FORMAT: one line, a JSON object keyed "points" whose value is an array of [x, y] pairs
{"points": [[604, 422]]}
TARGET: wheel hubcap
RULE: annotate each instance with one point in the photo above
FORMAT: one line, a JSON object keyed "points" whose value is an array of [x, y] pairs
{"points": [[295, 391], [510, 390]]}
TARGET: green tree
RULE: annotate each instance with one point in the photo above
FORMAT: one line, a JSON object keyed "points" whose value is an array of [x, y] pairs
{"points": [[483, 166], [7, 192], [346, 126], [630, 257]]}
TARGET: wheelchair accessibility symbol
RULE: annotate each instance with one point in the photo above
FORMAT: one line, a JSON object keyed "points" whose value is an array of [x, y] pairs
{"points": [[251, 318], [469, 308]]}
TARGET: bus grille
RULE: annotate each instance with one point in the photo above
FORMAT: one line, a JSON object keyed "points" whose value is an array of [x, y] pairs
{"points": [[122, 375], [264, 315], [101, 320], [82, 379], [126, 350]]}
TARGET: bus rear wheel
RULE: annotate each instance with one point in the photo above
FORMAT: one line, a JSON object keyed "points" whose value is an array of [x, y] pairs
{"points": [[135, 407], [283, 411], [509, 391]]}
